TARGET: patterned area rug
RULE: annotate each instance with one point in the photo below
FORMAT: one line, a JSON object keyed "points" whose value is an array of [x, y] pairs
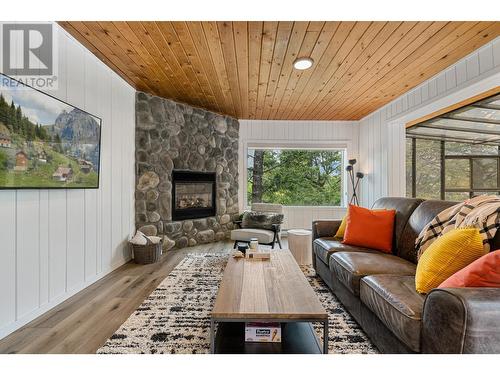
{"points": [[175, 317]]}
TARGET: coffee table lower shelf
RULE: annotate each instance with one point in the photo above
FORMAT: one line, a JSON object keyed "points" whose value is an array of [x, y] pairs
{"points": [[296, 338]]}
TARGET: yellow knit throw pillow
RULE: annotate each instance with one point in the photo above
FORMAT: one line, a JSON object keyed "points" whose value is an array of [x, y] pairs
{"points": [[446, 255], [341, 231]]}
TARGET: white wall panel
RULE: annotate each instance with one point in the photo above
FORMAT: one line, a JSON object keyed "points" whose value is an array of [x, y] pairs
{"points": [[472, 66], [27, 251], [451, 80], [44, 247], [461, 70], [441, 85], [91, 196], [8, 264], [297, 134], [104, 86], [56, 242], [302, 217], [496, 54], [75, 238], [382, 133]]}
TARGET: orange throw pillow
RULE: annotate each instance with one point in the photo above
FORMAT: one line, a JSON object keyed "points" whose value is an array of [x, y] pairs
{"points": [[483, 272], [369, 228]]}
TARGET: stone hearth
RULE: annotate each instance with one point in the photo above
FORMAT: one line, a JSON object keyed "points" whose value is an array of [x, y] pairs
{"points": [[169, 136]]}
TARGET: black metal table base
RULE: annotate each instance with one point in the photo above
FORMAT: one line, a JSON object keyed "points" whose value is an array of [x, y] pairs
{"points": [[297, 337]]}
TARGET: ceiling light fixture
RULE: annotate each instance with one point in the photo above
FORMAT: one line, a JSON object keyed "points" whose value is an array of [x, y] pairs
{"points": [[303, 63]]}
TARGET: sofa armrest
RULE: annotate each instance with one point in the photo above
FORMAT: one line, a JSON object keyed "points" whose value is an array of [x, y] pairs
{"points": [[325, 228], [461, 320]]}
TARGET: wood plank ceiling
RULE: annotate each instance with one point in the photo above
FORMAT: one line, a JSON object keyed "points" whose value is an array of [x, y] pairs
{"points": [[244, 69]]}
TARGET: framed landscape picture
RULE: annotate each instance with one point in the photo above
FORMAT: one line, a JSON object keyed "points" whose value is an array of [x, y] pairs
{"points": [[44, 142]]}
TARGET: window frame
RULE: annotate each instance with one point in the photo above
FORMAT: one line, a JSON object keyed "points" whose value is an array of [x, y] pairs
{"points": [[345, 147], [443, 159]]}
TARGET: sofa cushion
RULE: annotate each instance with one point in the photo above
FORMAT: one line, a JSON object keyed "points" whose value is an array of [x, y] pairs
{"points": [[373, 229], [393, 299], [324, 247], [448, 254], [341, 231], [263, 236], [484, 272], [422, 215], [404, 207], [350, 267]]}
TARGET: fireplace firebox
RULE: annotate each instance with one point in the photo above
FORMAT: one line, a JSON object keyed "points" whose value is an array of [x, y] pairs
{"points": [[193, 194]]}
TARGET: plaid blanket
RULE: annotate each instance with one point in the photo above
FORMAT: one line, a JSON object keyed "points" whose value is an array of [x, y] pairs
{"points": [[482, 212]]}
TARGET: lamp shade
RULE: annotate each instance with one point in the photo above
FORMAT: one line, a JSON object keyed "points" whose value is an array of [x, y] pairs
{"points": [[352, 161], [348, 168], [360, 175]]}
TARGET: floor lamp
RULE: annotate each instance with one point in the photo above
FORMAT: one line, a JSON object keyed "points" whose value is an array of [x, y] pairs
{"points": [[354, 181]]}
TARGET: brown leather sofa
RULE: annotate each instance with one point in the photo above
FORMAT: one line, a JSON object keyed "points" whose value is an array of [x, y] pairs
{"points": [[379, 289]]}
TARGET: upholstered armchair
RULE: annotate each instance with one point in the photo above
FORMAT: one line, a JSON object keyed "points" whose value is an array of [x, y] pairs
{"points": [[263, 222]]}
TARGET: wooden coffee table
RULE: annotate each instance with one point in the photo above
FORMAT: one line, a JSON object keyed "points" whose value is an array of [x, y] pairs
{"points": [[274, 290]]}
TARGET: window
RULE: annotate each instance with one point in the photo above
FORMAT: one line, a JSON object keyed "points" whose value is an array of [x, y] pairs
{"points": [[455, 155], [295, 177], [463, 170], [409, 166], [427, 169]]}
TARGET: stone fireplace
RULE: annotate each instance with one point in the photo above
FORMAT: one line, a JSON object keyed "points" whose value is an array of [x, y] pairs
{"points": [[186, 172], [193, 194]]}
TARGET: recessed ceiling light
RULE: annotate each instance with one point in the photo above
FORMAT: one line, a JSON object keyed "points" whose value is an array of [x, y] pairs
{"points": [[303, 63]]}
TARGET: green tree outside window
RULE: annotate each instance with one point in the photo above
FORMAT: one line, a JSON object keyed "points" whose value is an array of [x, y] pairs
{"points": [[295, 177]]}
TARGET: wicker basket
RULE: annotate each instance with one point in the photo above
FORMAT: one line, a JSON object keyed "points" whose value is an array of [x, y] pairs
{"points": [[147, 254]]}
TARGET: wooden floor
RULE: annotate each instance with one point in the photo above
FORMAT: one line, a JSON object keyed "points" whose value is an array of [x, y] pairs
{"points": [[84, 322]]}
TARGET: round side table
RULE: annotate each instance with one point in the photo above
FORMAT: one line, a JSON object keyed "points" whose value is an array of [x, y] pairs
{"points": [[299, 243]]}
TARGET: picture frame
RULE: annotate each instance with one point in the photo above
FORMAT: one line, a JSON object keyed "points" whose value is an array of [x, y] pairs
{"points": [[45, 142]]}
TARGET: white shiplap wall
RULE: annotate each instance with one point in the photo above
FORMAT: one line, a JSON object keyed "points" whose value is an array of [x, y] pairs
{"points": [[307, 134], [382, 133], [54, 243]]}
